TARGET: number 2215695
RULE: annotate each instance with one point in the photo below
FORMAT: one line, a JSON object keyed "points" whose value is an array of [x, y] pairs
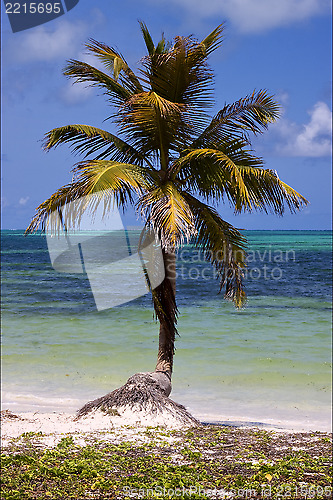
{"points": [[33, 8]]}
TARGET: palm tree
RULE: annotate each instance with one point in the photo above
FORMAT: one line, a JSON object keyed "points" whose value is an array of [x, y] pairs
{"points": [[173, 161]]}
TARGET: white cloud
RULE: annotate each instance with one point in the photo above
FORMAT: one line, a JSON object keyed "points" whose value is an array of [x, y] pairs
{"points": [[48, 42], [74, 93], [57, 39], [282, 98], [250, 16], [23, 201], [311, 139]]}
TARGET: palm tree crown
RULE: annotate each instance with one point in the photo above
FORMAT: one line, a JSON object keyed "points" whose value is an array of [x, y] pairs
{"points": [[171, 159]]}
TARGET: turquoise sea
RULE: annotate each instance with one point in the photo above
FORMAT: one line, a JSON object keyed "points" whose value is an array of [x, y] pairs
{"points": [[269, 363]]}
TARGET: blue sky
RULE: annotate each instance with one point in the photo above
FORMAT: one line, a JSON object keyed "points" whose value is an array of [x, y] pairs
{"points": [[281, 45]]}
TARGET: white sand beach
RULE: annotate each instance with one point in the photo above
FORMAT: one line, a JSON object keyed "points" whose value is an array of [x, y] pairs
{"points": [[50, 428]]}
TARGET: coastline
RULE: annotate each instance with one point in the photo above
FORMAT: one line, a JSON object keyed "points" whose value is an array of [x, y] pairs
{"points": [[285, 415], [52, 426]]}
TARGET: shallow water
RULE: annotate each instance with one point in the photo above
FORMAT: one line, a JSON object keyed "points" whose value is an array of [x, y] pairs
{"points": [[268, 362]]}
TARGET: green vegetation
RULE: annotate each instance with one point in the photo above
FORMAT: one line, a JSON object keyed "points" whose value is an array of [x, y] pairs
{"points": [[204, 462]]}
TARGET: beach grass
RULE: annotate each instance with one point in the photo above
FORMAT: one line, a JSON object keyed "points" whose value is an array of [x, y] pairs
{"points": [[205, 462]]}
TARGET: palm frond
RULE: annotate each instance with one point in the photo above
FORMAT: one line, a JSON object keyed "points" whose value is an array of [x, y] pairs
{"points": [[224, 247], [152, 124], [108, 181], [199, 52], [107, 174], [85, 73], [43, 218], [213, 41], [147, 38], [151, 99], [180, 77], [166, 312], [252, 114], [237, 174], [163, 46], [89, 140], [115, 63], [214, 173], [168, 214]]}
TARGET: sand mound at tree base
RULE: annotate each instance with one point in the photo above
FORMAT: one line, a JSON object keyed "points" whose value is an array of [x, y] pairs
{"points": [[142, 399]]}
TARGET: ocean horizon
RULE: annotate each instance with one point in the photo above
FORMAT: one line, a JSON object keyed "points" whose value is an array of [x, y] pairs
{"points": [[269, 362]]}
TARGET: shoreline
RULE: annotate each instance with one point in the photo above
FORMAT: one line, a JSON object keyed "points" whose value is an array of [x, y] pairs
{"points": [[290, 416], [262, 416], [52, 426]]}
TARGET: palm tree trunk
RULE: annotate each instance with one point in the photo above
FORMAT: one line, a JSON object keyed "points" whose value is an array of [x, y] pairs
{"points": [[148, 392], [153, 388], [166, 310]]}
